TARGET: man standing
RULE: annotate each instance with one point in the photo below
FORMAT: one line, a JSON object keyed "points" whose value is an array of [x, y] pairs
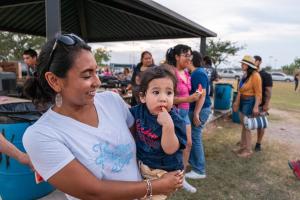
{"points": [[30, 57], [267, 85], [199, 114], [211, 73]]}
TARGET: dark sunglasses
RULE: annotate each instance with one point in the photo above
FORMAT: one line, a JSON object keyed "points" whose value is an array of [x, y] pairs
{"points": [[65, 39]]}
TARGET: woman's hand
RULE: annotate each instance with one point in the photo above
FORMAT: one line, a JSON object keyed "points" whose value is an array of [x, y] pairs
{"points": [[195, 96], [196, 120], [170, 182], [235, 107], [255, 111]]}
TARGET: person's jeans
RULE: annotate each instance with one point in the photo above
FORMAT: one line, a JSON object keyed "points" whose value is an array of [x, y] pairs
{"points": [[197, 156]]}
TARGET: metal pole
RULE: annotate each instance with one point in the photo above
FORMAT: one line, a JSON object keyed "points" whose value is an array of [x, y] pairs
{"points": [[53, 18], [203, 46]]}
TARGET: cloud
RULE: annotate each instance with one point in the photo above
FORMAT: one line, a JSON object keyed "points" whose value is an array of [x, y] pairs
{"points": [[268, 28]]}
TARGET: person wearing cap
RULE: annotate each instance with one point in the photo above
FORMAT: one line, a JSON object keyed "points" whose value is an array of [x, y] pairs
{"points": [[247, 102], [267, 85]]}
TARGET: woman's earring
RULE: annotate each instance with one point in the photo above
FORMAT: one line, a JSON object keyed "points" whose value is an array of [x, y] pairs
{"points": [[58, 100]]}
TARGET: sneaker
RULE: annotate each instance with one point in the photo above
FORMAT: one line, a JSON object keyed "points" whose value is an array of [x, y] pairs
{"points": [[257, 147], [188, 187], [194, 175]]}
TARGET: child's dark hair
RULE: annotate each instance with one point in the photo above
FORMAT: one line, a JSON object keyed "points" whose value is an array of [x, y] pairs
{"points": [[156, 73], [177, 50], [61, 61]]}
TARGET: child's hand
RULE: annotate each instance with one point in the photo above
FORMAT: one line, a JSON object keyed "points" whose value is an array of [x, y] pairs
{"points": [[164, 118]]}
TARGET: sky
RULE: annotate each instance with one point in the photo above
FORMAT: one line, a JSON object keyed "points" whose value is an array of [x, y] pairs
{"points": [[269, 28]]}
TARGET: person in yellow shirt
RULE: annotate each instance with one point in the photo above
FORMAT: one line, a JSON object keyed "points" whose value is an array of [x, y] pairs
{"points": [[247, 102]]}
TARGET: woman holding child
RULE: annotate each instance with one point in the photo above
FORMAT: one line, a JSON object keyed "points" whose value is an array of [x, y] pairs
{"points": [[82, 144]]}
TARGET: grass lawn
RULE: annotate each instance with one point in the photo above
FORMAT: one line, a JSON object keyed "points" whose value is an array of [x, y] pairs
{"points": [[264, 176], [283, 95]]}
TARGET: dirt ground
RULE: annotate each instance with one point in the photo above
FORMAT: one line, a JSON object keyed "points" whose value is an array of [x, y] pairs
{"points": [[285, 127]]}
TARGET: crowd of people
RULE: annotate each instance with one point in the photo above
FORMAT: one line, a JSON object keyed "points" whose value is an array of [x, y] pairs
{"points": [[93, 145]]}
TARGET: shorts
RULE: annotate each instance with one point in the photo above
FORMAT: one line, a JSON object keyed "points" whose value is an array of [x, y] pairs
{"points": [[246, 106], [152, 174], [184, 114]]}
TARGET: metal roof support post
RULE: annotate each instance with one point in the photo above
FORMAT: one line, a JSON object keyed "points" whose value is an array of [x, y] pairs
{"points": [[203, 46], [53, 18]]}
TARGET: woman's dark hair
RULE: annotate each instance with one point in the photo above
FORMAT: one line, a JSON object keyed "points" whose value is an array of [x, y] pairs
{"points": [[177, 50], [207, 60], [59, 63], [140, 64], [197, 59], [250, 70], [155, 73]]}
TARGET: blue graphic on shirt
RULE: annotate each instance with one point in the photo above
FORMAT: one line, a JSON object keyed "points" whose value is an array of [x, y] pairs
{"points": [[112, 156]]}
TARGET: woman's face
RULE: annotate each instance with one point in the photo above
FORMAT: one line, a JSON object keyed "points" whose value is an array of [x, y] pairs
{"points": [[183, 60], [244, 67], [79, 86], [147, 60]]}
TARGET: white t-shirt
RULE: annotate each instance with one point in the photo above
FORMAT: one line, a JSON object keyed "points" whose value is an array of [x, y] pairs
{"points": [[108, 151]]}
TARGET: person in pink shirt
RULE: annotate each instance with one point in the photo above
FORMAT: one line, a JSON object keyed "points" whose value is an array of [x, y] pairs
{"points": [[180, 58]]}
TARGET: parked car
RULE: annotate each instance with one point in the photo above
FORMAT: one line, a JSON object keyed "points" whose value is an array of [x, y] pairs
{"points": [[279, 76], [230, 73]]}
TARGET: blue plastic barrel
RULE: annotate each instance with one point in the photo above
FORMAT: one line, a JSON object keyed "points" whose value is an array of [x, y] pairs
{"points": [[17, 181], [222, 96], [235, 115]]}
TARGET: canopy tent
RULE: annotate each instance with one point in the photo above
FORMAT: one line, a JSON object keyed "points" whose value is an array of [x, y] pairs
{"points": [[98, 20]]}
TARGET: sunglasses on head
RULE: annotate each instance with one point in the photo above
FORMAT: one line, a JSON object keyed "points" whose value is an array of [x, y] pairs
{"points": [[65, 39]]}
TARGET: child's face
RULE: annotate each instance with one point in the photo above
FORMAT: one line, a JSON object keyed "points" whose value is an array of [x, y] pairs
{"points": [[160, 93]]}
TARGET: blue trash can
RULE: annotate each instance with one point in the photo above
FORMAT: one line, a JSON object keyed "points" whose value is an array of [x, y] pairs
{"points": [[222, 96], [17, 181], [235, 115]]}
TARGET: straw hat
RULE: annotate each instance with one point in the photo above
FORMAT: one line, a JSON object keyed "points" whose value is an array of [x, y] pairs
{"points": [[249, 60]]}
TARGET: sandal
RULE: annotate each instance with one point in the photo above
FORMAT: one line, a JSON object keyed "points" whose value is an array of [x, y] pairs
{"points": [[245, 154]]}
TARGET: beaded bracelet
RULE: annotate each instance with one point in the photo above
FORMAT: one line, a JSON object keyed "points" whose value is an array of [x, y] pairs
{"points": [[148, 194]]}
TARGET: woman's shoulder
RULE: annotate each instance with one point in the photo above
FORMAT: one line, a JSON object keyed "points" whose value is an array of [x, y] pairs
{"points": [[256, 75], [108, 99], [40, 130]]}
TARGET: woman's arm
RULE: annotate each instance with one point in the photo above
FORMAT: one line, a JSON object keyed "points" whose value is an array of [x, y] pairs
{"points": [[198, 108], [75, 180], [9, 149], [257, 87], [236, 103], [188, 99]]}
